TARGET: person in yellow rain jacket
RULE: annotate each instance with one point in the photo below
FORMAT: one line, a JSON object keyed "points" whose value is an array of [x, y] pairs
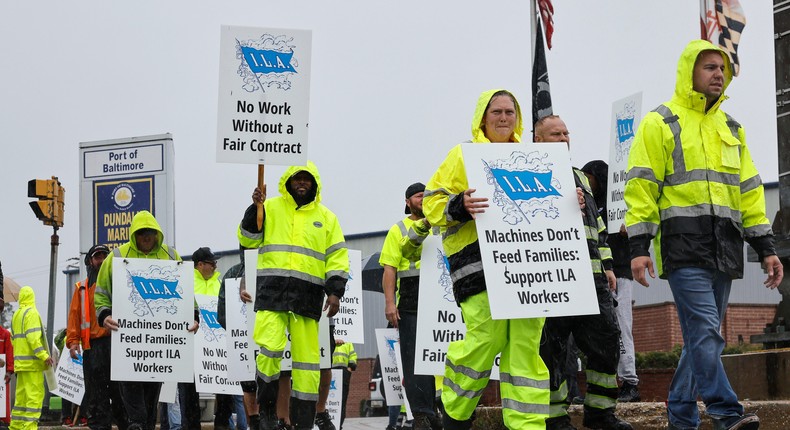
{"points": [[344, 358], [693, 190], [448, 203], [302, 260], [146, 240], [30, 360]]}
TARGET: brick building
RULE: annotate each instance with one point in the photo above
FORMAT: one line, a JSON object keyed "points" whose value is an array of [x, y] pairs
{"points": [[751, 307]]}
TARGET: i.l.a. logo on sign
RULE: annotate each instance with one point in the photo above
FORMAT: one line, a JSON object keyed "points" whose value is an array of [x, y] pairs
{"points": [[524, 186], [266, 62], [154, 290]]}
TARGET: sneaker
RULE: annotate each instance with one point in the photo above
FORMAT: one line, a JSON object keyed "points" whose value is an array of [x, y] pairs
{"points": [[629, 393], [83, 422], [324, 421], [67, 422], [559, 423], [745, 422], [606, 422], [390, 428], [282, 425]]}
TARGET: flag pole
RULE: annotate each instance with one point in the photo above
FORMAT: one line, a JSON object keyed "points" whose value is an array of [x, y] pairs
{"points": [[260, 205], [533, 31], [703, 16]]}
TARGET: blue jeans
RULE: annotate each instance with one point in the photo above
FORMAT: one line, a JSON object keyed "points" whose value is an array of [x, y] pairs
{"points": [[241, 416], [701, 297]]}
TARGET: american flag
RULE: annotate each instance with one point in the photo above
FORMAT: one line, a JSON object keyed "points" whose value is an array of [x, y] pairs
{"points": [[547, 16], [722, 23]]}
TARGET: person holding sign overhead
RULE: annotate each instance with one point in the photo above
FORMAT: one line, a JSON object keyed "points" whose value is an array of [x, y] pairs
{"points": [[598, 335], [302, 260], [449, 203]]}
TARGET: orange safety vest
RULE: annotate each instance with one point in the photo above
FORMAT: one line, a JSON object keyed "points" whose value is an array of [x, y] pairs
{"points": [[82, 324]]}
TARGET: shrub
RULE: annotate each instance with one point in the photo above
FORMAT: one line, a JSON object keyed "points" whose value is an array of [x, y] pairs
{"points": [[669, 359]]}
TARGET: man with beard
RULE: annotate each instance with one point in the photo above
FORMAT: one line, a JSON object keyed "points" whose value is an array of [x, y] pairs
{"points": [[84, 335], [302, 270], [401, 308]]}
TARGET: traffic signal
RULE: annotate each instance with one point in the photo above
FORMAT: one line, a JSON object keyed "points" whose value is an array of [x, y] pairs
{"points": [[50, 204]]}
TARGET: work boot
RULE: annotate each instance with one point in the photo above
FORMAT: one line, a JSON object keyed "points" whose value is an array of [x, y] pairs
{"points": [[254, 422], [436, 422], [559, 423], [606, 421], [267, 421], [452, 424], [744, 422], [324, 421], [629, 393], [267, 402], [421, 422]]}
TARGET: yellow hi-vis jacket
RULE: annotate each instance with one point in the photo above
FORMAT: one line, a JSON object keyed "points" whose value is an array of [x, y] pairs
{"points": [[27, 334], [408, 271], [443, 205], [208, 287], [692, 186], [302, 254], [344, 356], [141, 220]]}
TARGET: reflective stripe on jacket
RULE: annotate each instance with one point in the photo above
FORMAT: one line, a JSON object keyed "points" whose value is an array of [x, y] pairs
{"points": [[408, 272], [27, 334], [692, 186], [208, 287], [82, 325], [595, 231], [344, 356], [302, 253]]}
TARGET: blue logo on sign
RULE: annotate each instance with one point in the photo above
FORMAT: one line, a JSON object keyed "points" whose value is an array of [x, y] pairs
{"points": [[210, 318], [524, 185], [265, 61], [154, 288], [625, 121], [625, 129]]}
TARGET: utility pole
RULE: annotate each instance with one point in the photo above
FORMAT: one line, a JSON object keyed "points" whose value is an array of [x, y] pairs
{"points": [[49, 208]]}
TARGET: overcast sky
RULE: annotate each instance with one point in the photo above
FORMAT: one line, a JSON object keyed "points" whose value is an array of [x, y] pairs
{"points": [[394, 84]]}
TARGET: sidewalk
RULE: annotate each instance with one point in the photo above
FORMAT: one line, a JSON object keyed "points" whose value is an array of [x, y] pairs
{"points": [[372, 423], [774, 415]]}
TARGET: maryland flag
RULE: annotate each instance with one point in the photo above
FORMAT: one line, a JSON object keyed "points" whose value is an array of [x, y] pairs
{"points": [[722, 22]]}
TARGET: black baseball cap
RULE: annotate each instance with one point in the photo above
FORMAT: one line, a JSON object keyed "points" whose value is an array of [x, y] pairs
{"points": [[417, 187], [204, 254]]}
